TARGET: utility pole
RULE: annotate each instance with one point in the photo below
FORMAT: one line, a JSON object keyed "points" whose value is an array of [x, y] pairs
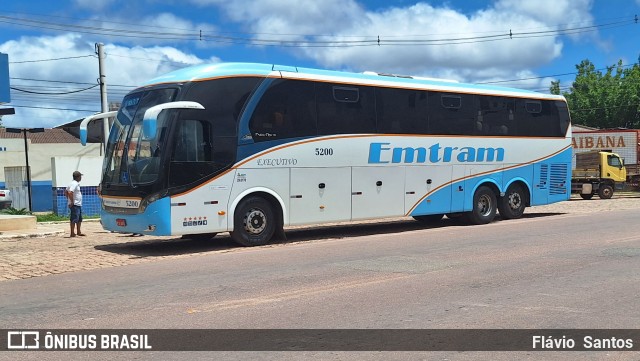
{"points": [[103, 93]]}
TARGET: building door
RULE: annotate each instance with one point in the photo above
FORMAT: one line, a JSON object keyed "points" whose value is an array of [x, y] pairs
{"points": [[16, 182]]}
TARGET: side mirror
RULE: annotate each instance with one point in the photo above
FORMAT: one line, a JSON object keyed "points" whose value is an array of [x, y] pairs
{"points": [[85, 122], [150, 119]]}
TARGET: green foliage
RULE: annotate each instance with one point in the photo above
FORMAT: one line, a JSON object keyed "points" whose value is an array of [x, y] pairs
{"points": [[604, 100], [16, 212], [50, 217], [555, 87]]}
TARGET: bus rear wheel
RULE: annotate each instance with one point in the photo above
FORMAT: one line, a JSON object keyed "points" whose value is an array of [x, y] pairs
{"points": [[254, 222], [512, 205], [484, 206]]}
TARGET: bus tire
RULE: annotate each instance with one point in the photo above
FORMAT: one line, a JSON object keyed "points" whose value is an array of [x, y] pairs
{"points": [[484, 206], [586, 196], [605, 192], [254, 222], [512, 205], [429, 218]]}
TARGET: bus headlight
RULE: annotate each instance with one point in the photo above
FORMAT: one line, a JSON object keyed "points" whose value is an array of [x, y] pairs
{"points": [[148, 200]]}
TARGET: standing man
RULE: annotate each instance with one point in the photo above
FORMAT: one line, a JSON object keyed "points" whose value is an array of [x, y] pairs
{"points": [[74, 199]]}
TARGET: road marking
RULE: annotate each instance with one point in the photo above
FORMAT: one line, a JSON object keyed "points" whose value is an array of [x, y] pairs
{"points": [[293, 294]]}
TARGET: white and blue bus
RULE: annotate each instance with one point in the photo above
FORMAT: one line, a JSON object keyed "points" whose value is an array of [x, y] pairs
{"points": [[252, 148]]}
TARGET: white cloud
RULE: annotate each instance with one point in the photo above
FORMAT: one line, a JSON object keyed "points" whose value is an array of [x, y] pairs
{"points": [[153, 29], [122, 67], [472, 61]]}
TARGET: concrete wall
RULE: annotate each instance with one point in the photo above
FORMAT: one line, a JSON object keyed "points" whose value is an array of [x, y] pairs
{"points": [[12, 154], [45, 186]]}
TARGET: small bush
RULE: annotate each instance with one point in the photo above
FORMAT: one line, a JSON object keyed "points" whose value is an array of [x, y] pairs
{"points": [[16, 212]]}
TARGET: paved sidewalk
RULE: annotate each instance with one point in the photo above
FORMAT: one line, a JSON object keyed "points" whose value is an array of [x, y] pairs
{"points": [[50, 250]]}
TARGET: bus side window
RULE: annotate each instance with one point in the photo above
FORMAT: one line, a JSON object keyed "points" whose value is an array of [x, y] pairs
{"points": [[192, 142], [401, 111], [345, 109], [284, 111], [541, 118], [450, 113], [495, 115]]}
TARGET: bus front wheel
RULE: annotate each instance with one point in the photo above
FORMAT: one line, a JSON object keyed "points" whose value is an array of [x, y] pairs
{"points": [[254, 222], [484, 206]]}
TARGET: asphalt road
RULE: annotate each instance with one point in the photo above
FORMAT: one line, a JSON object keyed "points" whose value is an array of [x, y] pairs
{"points": [[543, 271]]}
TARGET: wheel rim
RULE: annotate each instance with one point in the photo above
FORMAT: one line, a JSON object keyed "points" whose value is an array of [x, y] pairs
{"points": [[606, 192], [484, 205], [515, 201], [255, 221]]}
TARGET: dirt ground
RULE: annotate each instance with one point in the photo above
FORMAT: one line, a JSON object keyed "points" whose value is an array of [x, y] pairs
{"points": [[50, 250]]}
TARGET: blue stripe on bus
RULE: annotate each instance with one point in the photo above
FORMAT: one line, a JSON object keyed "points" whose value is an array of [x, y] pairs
{"points": [[157, 213], [206, 71], [446, 199]]}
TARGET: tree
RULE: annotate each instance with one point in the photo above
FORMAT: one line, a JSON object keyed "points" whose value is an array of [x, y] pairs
{"points": [[604, 100]]}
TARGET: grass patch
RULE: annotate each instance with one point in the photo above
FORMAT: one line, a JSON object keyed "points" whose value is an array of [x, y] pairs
{"points": [[52, 217]]}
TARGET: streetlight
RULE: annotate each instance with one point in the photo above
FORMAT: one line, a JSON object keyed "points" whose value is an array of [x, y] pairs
{"points": [[26, 154]]}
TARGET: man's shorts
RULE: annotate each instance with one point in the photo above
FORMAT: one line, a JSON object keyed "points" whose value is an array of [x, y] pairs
{"points": [[76, 214]]}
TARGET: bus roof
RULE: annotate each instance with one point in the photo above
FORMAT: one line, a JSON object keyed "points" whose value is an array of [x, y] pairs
{"points": [[211, 71]]}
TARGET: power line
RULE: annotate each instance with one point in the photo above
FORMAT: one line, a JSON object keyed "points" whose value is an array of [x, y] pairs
{"points": [[52, 108], [379, 40], [552, 76], [70, 82], [42, 60], [69, 92]]}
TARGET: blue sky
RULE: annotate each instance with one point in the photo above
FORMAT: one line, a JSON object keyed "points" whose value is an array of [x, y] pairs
{"points": [[51, 43]]}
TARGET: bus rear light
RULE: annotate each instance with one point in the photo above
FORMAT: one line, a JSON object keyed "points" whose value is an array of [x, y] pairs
{"points": [[121, 222]]}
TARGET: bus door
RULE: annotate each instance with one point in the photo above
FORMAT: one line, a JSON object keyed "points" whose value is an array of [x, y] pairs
{"points": [[434, 181], [320, 195], [377, 192]]}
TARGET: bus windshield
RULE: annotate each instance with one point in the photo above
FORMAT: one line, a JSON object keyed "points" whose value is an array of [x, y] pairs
{"points": [[130, 158]]}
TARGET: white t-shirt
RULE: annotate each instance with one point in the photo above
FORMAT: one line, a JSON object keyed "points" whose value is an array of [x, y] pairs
{"points": [[77, 195]]}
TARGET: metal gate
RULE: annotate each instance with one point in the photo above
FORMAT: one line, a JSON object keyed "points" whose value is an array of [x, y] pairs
{"points": [[16, 182]]}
